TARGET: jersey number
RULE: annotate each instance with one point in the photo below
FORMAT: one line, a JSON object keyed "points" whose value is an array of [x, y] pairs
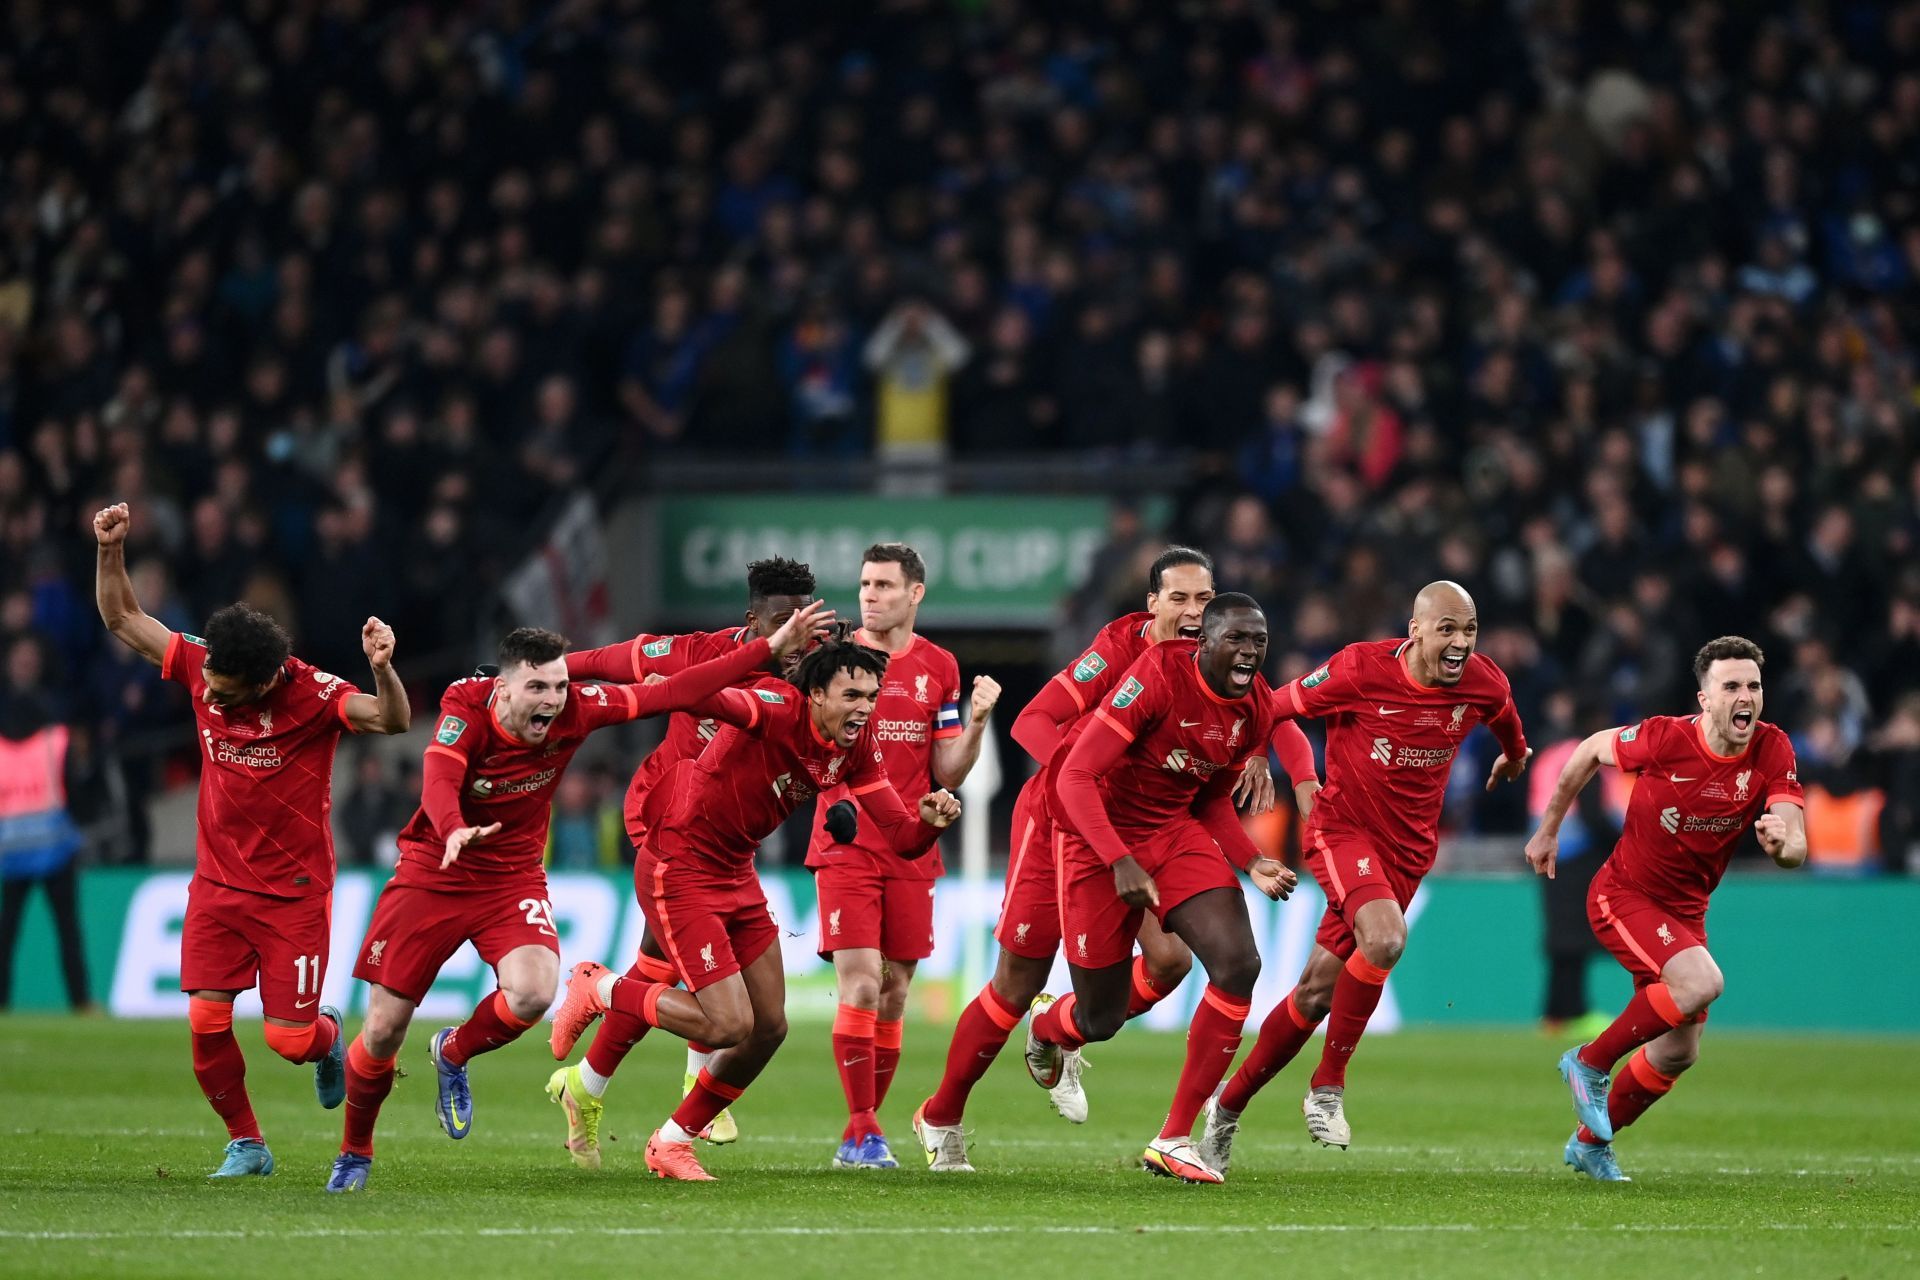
{"points": [[306, 975], [540, 915]]}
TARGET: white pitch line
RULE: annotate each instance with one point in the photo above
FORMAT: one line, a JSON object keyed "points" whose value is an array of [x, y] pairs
{"points": [[981, 1229]]}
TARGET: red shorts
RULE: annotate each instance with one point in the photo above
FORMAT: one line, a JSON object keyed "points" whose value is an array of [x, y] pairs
{"points": [[415, 931], [1352, 872], [1030, 909], [1098, 927], [711, 923], [862, 906], [1641, 934], [233, 937]]}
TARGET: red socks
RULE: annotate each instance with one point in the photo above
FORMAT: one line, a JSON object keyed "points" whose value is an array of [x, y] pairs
{"points": [[853, 1050], [1638, 1087], [1054, 1024], [369, 1080], [709, 1098], [1145, 993], [302, 1044], [490, 1026], [219, 1066], [619, 1031], [887, 1036], [978, 1037], [1651, 1012], [1283, 1034], [1356, 994], [1212, 1040]]}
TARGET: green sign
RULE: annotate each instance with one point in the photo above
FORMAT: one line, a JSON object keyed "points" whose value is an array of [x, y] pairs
{"points": [[1473, 950], [990, 561]]}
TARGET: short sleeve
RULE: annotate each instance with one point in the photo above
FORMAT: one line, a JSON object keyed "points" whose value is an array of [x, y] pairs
{"points": [[1783, 774], [1633, 746], [1136, 706], [946, 719], [183, 659], [1321, 690]]}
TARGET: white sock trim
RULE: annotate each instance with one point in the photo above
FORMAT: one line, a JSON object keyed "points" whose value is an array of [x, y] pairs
{"points": [[672, 1132], [605, 987], [595, 1082]]}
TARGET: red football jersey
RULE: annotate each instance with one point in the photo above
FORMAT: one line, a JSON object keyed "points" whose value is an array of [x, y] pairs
{"points": [[266, 787], [1095, 673], [1690, 806], [765, 760], [1391, 743], [1180, 735], [646, 655], [919, 705], [505, 780]]}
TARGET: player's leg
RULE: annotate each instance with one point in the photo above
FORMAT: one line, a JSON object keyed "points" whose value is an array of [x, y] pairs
{"points": [[1380, 937], [850, 897], [906, 938], [1662, 952], [293, 940], [1214, 923], [217, 962], [370, 1064], [889, 1029], [1162, 965], [761, 985]]}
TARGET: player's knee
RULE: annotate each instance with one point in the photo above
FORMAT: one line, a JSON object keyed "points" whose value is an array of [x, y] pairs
{"points": [[1169, 970], [1236, 973], [528, 1006], [1384, 948], [1099, 1024], [295, 1044], [767, 1036], [382, 1037], [1672, 1060], [1696, 991], [1313, 998], [862, 991], [727, 1028]]}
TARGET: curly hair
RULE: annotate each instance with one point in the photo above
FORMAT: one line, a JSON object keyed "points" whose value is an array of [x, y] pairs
{"points": [[817, 669], [246, 644], [777, 576]]}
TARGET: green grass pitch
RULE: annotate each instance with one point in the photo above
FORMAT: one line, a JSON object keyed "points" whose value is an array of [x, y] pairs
{"points": [[1776, 1155]]}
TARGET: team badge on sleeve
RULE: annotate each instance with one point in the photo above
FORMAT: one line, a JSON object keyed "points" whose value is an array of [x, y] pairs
{"points": [[1128, 692], [451, 727], [659, 648], [768, 695], [1089, 667], [1318, 677], [1630, 733]]}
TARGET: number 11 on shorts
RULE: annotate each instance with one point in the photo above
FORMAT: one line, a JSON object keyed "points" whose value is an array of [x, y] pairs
{"points": [[306, 975]]}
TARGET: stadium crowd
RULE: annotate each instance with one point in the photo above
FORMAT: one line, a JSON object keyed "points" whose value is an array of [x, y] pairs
{"points": [[1607, 311]]}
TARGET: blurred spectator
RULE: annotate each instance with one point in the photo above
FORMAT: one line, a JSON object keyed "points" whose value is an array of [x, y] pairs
{"points": [[38, 839]]}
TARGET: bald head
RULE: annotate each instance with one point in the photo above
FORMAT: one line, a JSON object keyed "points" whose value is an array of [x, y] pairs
{"points": [[1442, 634], [1443, 597]]}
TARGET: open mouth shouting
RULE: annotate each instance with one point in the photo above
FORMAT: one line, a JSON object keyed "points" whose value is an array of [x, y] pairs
{"points": [[1240, 675], [1453, 664], [539, 722], [850, 729], [1742, 720], [1190, 632]]}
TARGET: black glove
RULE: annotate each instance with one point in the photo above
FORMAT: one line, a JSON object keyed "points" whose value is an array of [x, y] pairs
{"points": [[843, 822]]}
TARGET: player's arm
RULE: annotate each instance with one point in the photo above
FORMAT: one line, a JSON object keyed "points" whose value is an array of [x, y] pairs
{"points": [[906, 832], [954, 753], [1214, 808], [1782, 832], [700, 683], [1044, 721], [1096, 753], [1514, 752], [443, 772], [1290, 744], [113, 589], [1543, 850], [629, 662], [386, 710]]}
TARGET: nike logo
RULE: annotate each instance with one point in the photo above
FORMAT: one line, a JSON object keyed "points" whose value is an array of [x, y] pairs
{"points": [[1674, 777], [1393, 711], [304, 1003], [847, 1062], [1188, 724]]}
